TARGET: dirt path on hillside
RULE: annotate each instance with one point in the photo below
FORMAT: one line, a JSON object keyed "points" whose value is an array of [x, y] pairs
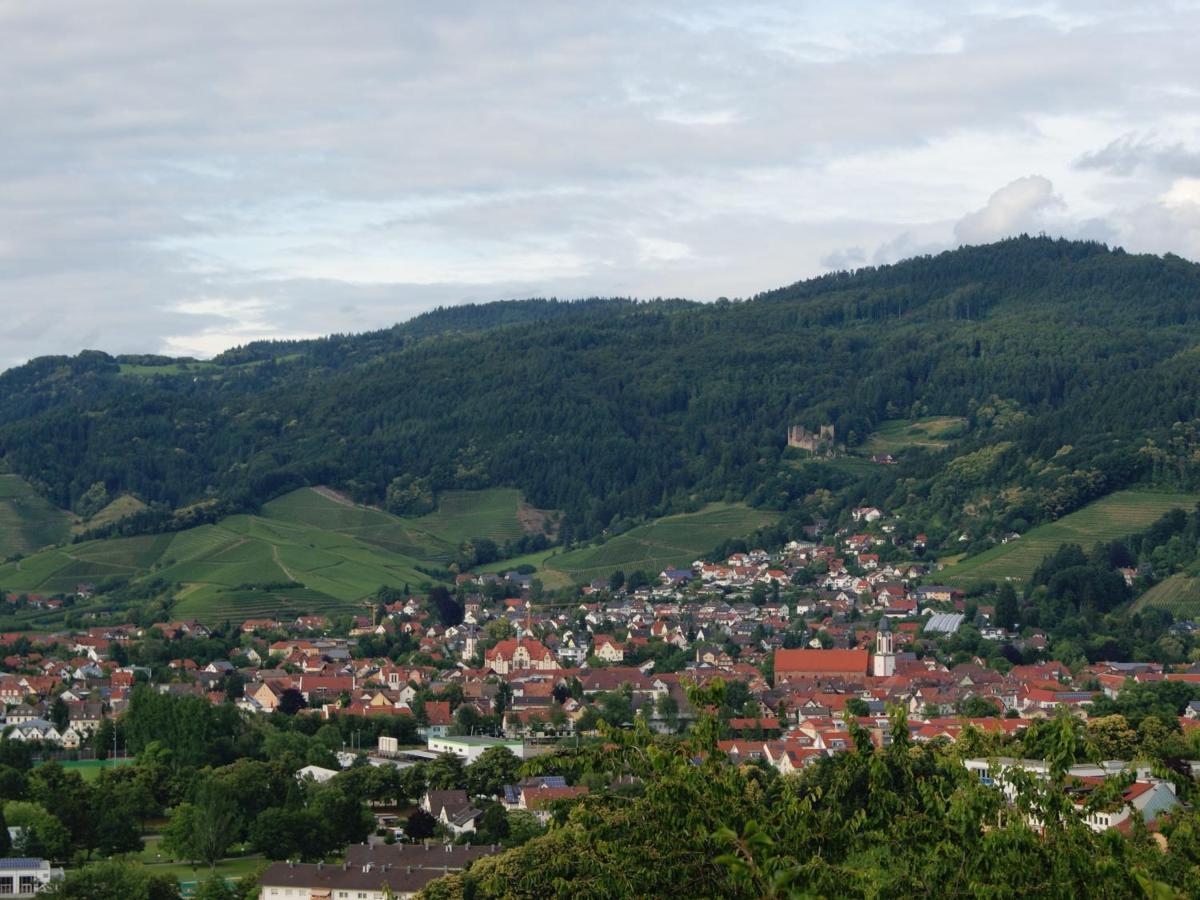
{"points": [[336, 496], [279, 562]]}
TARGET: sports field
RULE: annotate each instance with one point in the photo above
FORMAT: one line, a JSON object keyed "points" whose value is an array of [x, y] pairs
{"points": [[90, 769], [1109, 518]]}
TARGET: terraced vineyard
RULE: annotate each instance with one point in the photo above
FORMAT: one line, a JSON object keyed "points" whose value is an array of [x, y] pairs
{"points": [[28, 521], [338, 552], [1179, 594], [670, 541], [1109, 518]]}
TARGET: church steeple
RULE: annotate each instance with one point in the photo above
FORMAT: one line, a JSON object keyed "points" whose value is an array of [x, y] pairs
{"points": [[883, 663]]}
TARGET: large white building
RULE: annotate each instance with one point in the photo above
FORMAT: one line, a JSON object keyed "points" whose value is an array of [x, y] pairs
{"points": [[25, 876], [471, 748]]}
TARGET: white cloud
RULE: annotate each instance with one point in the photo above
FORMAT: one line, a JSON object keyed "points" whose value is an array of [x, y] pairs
{"points": [[1017, 207], [182, 175]]}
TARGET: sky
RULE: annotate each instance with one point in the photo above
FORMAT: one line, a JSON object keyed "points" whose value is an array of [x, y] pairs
{"points": [[186, 177]]}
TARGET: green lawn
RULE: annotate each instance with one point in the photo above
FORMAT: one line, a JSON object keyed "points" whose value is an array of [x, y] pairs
{"points": [[28, 521], [670, 541], [1109, 518], [898, 434]]}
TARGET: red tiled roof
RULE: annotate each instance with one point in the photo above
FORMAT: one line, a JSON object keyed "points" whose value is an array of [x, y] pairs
{"points": [[818, 661]]}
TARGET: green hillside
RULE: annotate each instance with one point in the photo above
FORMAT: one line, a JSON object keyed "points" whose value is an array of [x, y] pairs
{"points": [[1112, 517], [1076, 358], [1180, 594], [28, 521], [670, 541], [339, 552], [119, 508], [894, 435]]}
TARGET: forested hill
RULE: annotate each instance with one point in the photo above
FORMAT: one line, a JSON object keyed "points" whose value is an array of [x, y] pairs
{"points": [[1076, 367]]}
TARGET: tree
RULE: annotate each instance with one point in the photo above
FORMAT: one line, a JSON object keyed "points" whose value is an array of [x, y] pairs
{"points": [[291, 701], [60, 714], [446, 773], [215, 888], [102, 739], [493, 769], [976, 707], [5, 838], [41, 833], [616, 580], [523, 826], [493, 824], [420, 825], [116, 831], [1007, 612], [857, 706], [112, 880]]}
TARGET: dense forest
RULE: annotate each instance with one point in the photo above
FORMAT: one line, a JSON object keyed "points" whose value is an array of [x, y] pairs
{"points": [[1074, 365]]}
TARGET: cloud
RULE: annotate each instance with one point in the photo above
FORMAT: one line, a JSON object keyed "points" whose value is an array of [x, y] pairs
{"points": [[190, 175], [1128, 153], [1017, 207]]}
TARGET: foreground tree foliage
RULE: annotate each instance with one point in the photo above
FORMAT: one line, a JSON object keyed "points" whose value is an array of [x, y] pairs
{"points": [[902, 821]]}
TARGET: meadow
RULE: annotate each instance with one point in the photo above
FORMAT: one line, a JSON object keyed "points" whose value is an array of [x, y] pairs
{"points": [[895, 435], [1109, 518], [671, 541]]}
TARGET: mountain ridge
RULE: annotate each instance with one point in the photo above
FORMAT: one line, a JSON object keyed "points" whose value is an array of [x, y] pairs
{"points": [[610, 409]]}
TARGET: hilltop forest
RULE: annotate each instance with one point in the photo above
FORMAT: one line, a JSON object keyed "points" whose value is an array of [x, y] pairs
{"points": [[1074, 367]]}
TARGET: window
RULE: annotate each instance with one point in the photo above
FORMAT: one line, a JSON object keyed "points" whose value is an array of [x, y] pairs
{"points": [[6, 884], [28, 884]]}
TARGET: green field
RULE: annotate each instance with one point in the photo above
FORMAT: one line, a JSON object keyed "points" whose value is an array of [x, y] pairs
{"points": [[897, 434], [1179, 594], [339, 552], [670, 541], [125, 505], [28, 521], [1112, 517], [90, 769]]}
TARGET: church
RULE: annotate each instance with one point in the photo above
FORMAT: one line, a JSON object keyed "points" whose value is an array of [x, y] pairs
{"points": [[805, 666]]}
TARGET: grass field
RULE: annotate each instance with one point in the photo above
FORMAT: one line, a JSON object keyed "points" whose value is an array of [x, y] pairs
{"points": [[125, 505], [1180, 594], [1112, 517], [28, 521], [670, 541], [90, 769], [898, 434], [339, 553]]}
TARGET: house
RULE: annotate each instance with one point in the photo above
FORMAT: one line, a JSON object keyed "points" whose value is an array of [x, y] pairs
{"points": [[452, 809], [606, 649], [398, 871], [438, 717], [538, 799], [519, 654]]}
